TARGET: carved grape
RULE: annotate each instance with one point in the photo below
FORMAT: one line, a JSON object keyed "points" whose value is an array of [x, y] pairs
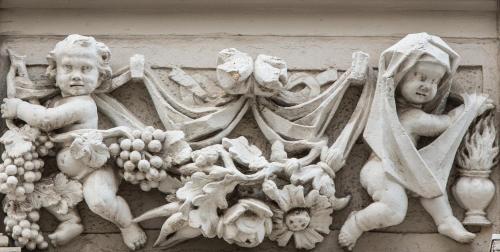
{"points": [[18, 173], [140, 157]]}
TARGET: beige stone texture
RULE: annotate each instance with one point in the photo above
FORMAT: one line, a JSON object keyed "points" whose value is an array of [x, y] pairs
{"points": [[309, 36]]}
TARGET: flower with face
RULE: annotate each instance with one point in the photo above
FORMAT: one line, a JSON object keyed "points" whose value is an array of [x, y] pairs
{"points": [[246, 223], [305, 217]]}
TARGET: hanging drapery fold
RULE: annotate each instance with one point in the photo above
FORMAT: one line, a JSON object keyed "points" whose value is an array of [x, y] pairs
{"points": [[300, 126]]}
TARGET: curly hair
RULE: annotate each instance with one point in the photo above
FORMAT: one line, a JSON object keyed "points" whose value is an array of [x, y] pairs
{"points": [[102, 51]]}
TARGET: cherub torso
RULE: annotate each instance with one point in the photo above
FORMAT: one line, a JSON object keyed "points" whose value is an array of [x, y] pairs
{"points": [[83, 104], [87, 120], [407, 118]]}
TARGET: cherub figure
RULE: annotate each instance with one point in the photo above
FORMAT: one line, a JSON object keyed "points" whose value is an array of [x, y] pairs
{"points": [[413, 85], [79, 65]]}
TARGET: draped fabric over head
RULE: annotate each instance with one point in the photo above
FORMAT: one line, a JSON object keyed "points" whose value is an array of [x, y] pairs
{"points": [[423, 171]]}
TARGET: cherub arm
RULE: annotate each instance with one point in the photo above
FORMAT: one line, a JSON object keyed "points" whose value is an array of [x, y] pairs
{"points": [[429, 125], [49, 119]]}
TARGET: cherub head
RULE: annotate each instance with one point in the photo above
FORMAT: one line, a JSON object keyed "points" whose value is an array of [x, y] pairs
{"points": [[420, 84], [79, 64]]}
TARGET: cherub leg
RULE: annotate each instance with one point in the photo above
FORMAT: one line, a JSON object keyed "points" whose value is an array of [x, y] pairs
{"points": [[99, 192], [388, 209], [69, 228], [440, 210]]}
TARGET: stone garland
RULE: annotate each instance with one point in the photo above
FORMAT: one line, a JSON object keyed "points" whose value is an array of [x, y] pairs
{"points": [[226, 188]]}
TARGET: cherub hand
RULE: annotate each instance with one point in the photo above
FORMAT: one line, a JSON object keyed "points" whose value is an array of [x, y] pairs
{"points": [[479, 101], [9, 108], [488, 104]]}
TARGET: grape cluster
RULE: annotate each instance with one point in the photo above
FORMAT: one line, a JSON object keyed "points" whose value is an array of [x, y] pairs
{"points": [[25, 231], [139, 158], [18, 174]]}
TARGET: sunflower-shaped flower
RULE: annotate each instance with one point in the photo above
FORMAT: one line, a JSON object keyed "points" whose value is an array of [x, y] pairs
{"points": [[305, 218]]}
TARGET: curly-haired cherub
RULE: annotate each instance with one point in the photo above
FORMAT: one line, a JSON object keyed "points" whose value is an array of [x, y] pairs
{"points": [[79, 65], [412, 88]]}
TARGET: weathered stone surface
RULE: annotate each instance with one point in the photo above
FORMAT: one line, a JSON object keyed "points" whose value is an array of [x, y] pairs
{"points": [[135, 98], [372, 241], [480, 73]]}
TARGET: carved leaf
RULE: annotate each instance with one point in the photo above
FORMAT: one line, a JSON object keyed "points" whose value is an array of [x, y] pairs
{"points": [[205, 214], [205, 218], [245, 153], [169, 184], [183, 79], [208, 195], [19, 141], [216, 192], [90, 149], [70, 190], [58, 191], [44, 194], [16, 209], [176, 148], [193, 187], [316, 176]]}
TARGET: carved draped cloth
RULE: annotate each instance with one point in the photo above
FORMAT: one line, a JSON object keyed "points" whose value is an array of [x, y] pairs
{"points": [[300, 126], [424, 171]]}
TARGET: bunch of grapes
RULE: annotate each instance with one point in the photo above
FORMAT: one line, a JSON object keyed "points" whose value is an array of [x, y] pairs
{"points": [[139, 157], [19, 174], [25, 231]]}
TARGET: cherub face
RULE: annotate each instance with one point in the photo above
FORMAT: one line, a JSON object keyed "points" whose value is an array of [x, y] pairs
{"points": [[420, 84], [77, 73]]}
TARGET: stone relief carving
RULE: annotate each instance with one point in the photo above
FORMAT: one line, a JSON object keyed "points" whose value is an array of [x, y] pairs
{"points": [[226, 187], [477, 156], [412, 87]]}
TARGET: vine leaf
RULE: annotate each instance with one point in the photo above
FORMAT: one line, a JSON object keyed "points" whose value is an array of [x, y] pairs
{"points": [[206, 194], [58, 191], [19, 141], [321, 181], [90, 149], [16, 209], [70, 190], [194, 187], [244, 153]]}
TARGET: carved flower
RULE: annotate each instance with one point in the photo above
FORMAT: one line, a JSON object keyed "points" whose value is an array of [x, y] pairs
{"points": [[233, 69], [90, 149], [246, 223], [271, 74], [245, 153], [303, 217]]}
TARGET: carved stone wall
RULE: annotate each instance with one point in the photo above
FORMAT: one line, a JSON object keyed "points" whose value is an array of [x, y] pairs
{"points": [[311, 37]]}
